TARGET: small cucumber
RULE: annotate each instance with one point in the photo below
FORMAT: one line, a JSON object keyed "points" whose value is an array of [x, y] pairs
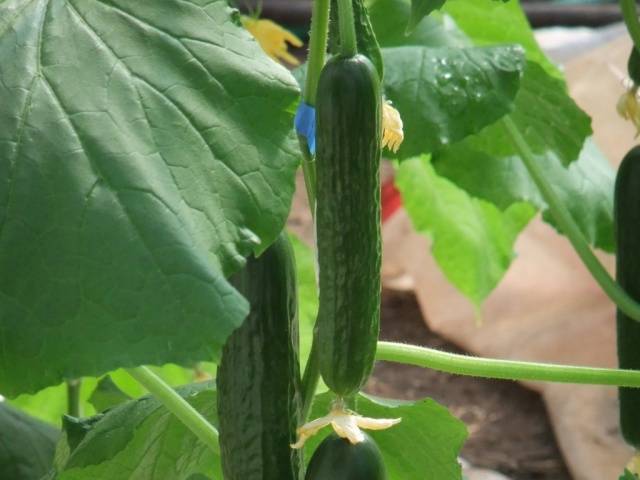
{"points": [[627, 221], [259, 376], [348, 130], [337, 459]]}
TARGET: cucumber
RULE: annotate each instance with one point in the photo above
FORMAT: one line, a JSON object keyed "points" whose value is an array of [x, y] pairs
{"points": [[627, 220], [348, 130], [258, 377], [367, 42], [337, 459]]}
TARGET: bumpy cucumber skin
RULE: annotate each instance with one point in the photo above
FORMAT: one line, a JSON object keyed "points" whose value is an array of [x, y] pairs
{"points": [[627, 221], [259, 376], [348, 118], [337, 459], [367, 42]]}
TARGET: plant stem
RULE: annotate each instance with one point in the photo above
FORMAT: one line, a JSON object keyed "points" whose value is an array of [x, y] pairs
{"points": [[346, 24], [315, 62], [504, 369], [317, 49], [74, 407], [630, 15], [310, 382], [569, 227], [177, 405]]}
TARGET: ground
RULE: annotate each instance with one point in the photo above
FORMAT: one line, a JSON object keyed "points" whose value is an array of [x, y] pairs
{"points": [[508, 424]]}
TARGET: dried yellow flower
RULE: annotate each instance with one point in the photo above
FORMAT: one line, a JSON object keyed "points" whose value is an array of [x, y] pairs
{"points": [[392, 134]]}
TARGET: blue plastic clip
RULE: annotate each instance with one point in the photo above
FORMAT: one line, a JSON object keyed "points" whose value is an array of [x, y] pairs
{"points": [[305, 124]]}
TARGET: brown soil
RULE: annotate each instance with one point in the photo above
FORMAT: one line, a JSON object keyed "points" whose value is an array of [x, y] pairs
{"points": [[508, 424]]}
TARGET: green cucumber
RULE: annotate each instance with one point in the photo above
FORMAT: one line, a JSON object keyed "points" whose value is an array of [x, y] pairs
{"points": [[348, 129], [258, 377], [367, 42], [337, 459], [627, 221]]}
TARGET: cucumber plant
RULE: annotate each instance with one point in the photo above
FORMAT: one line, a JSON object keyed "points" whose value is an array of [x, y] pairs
{"points": [[147, 167]]}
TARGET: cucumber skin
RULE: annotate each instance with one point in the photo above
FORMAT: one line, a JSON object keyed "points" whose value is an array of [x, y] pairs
{"points": [[258, 377], [348, 128], [627, 221], [337, 459]]}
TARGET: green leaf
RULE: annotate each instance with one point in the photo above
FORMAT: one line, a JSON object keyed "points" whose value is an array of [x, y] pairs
{"points": [[487, 22], [423, 446], [107, 395], [472, 239], [445, 94], [488, 165], [141, 440], [307, 295], [50, 404], [627, 475], [420, 9], [26, 445], [145, 149], [389, 19]]}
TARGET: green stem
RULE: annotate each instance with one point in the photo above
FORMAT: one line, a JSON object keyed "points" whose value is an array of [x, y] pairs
{"points": [[504, 369], [310, 381], [74, 407], [315, 61], [569, 227], [177, 405], [630, 15], [317, 48], [347, 26]]}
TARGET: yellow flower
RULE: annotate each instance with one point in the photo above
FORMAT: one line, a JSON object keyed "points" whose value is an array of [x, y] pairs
{"points": [[345, 423], [392, 134], [272, 38], [628, 107]]}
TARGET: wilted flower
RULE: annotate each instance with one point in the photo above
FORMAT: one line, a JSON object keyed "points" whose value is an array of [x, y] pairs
{"points": [[628, 107], [345, 423], [272, 38], [392, 134]]}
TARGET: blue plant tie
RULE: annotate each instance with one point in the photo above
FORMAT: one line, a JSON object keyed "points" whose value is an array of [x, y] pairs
{"points": [[305, 124]]}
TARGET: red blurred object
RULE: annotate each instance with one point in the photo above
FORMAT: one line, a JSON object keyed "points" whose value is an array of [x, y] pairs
{"points": [[390, 199]]}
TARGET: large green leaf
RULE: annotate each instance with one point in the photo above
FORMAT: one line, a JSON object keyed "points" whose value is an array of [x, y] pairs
{"points": [[445, 94], [488, 165], [389, 19], [139, 440], [487, 22], [420, 9], [472, 239], [145, 150], [26, 445], [423, 446]]}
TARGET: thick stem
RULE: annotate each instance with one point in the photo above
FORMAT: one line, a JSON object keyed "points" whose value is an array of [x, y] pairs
{"points": [[630, 15], [504, 369], [309, 173], [74, 407], [317, 48], [347, 26], [570, 228], [177, 405], [310, 382]]}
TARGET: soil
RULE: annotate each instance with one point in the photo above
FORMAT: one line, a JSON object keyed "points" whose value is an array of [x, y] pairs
{"points": [[509, 430]]}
